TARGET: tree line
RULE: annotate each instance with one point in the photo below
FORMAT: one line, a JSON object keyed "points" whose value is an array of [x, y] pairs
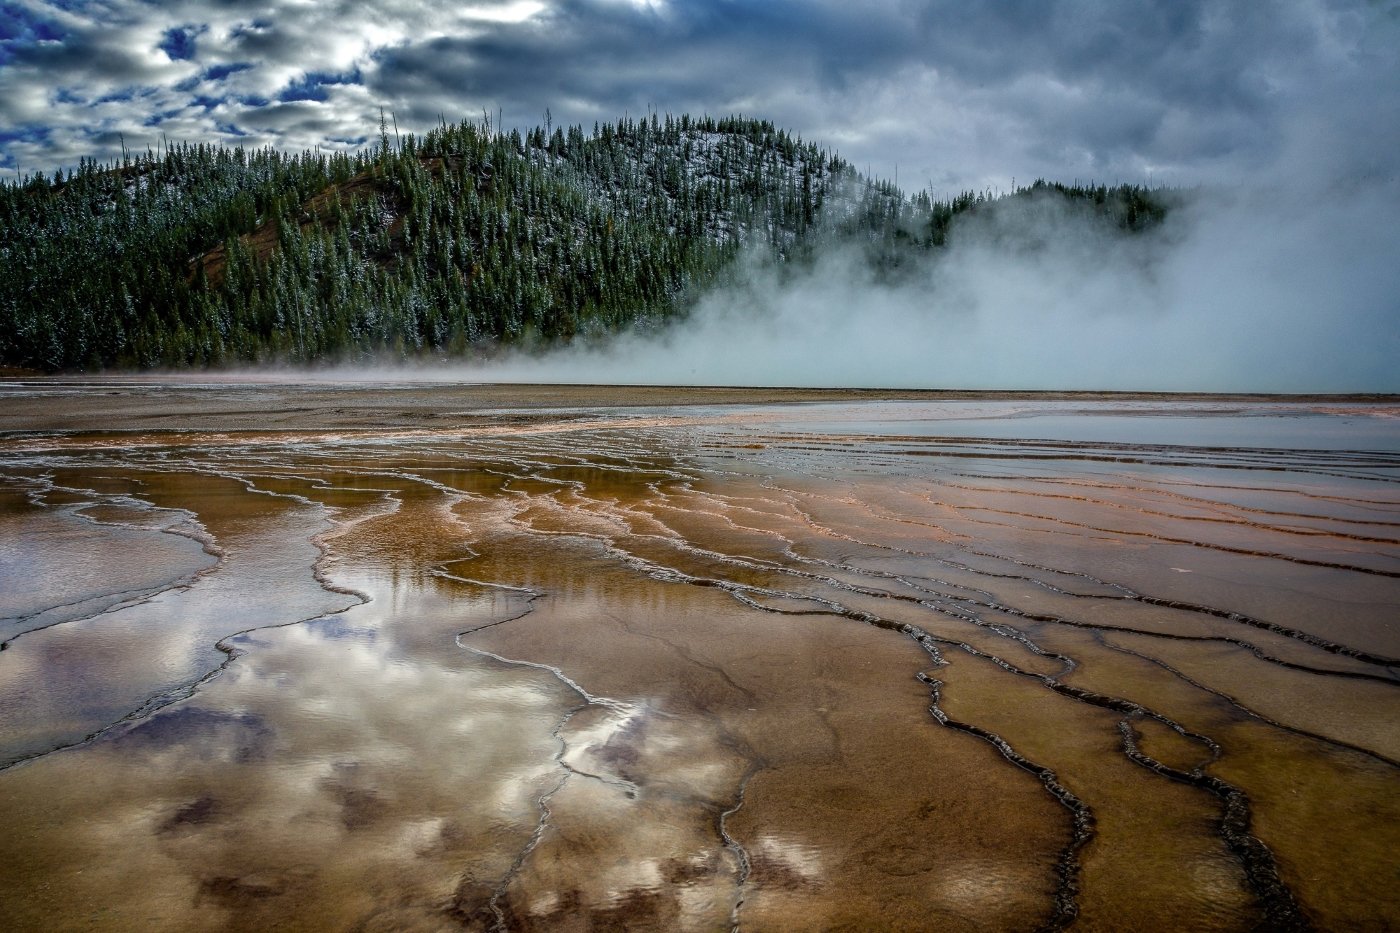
{"points": [[457, 242]]}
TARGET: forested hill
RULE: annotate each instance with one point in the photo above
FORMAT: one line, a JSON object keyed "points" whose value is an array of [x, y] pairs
{"points": [[457, 242]]}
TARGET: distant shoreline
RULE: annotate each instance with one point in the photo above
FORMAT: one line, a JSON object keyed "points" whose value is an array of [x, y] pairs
{"points": [[241, 403], [410, 380]]}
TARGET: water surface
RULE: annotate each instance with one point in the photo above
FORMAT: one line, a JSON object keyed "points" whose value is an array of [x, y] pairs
{"points": [[868, 665]]}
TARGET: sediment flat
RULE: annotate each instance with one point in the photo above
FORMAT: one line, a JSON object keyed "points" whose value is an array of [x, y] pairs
{"points": [[425, 656]]}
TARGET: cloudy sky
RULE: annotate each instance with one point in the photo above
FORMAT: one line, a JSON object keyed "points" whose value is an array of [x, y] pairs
{"points": [[950, 93]]}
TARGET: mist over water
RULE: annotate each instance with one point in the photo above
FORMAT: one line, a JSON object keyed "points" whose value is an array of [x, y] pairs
{"points": [[1270, 289], [1291, 285], [1284, 280]]}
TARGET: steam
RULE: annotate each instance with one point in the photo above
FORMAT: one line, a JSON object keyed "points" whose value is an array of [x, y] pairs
{"points": [[1287, 280], [1273, 289]]}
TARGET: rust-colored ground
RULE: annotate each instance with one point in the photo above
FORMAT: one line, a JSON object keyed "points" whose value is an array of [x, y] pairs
{"points": [[525, 657]]}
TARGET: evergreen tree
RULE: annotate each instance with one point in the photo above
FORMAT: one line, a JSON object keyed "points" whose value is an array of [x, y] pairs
{"points": [[456, 242]]}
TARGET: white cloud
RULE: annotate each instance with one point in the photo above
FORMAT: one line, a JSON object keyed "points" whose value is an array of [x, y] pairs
{"points": [[963, 95]]}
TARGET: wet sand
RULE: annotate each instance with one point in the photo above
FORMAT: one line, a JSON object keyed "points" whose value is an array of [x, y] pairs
{"points": [[503, 657]]}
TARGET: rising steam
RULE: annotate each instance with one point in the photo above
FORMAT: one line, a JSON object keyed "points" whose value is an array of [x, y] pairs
{"points": [[1288, 281], [1257, 290]]}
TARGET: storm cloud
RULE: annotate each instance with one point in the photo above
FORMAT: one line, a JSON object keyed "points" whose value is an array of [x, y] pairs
{"points": [[947, 94]]}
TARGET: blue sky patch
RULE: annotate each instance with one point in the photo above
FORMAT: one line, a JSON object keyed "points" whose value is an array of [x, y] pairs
{"points": [[179, 43], [24, 134], [313, 84], [156, 119], [117, 97], [21, 25], [21, 29], [220, 72]]}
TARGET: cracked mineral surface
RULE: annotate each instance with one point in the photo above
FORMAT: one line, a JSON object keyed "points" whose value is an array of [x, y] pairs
{"points": [[686, 660]]}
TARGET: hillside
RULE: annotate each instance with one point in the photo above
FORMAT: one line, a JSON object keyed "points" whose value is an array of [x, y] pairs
{"points": [[456, 242]]}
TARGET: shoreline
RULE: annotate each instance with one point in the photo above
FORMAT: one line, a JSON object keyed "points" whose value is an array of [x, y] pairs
{"points": [[409, 379], [115, 404]]}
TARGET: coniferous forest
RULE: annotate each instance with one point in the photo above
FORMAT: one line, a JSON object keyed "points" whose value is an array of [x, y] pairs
{"points": [[458, 242]]}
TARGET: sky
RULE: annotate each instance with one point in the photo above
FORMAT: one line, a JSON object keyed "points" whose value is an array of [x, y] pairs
{"points": [[946, 94], [1279, 120]]}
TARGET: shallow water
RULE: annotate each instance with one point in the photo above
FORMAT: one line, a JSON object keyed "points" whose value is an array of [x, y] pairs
{"points": [[869, 665]]}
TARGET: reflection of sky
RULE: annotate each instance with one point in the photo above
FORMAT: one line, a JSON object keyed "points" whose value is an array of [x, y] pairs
{"points": [[797, 859], [371, 733], [410, 765], [366, 767], [64, 682], [54, 558]]}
